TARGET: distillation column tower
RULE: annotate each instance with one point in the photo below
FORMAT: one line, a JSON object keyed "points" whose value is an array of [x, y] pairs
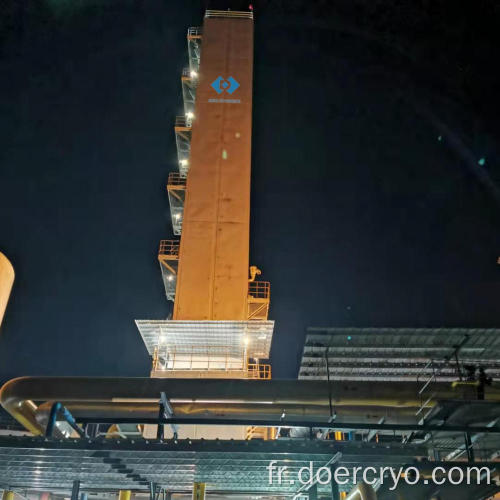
{"points": [[220, 326]]}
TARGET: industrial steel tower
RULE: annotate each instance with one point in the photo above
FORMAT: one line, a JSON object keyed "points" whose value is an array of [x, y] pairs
{"points": [[220, 326]]}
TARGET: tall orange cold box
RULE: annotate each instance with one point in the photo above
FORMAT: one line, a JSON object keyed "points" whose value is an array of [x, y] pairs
{"points": [[212, 281]]}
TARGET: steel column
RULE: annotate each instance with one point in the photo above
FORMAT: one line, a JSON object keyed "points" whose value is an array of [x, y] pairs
{"points": [[75, 491], [313, 492], [469, 447], [334, 485]]}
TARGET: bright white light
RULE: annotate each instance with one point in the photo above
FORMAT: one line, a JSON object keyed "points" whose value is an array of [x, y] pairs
{"points": [[189, 115], [170, 278], [193, 74], [177, 216], [263, 337], [183, 162]]}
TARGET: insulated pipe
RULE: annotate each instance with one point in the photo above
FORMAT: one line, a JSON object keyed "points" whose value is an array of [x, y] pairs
{"points": [[126, 397], [362, 491], [6, 281]]}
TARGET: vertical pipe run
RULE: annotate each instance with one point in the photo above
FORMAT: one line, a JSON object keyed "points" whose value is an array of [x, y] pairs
{"points": [[198, 491], [124, 495]]}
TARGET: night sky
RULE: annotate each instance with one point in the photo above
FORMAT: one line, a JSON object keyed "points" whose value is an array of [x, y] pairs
{"points": [[370, 206]]}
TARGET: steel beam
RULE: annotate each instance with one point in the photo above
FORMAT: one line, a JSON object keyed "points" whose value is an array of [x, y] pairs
{"points": [[295, 423]]}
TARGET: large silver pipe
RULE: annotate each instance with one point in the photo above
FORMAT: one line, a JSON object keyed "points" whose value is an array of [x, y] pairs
{"points": [[127, 397]]}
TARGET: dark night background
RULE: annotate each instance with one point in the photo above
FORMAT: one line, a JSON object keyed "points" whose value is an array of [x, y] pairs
{"points": [[362, 214]]}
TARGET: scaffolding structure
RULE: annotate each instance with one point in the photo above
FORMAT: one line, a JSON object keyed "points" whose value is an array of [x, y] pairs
{"points": [[183, 142], [176, 189]]}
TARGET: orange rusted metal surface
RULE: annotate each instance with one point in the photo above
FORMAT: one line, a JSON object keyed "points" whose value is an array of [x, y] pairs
{"points": [[212, 282], [6, 281]]}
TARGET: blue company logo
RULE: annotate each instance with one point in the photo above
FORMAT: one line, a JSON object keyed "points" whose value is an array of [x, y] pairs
{"points": [[220, 85]]}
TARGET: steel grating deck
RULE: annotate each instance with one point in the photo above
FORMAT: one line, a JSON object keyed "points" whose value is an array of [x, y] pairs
{"points": [[226, 466], [232, 337]]}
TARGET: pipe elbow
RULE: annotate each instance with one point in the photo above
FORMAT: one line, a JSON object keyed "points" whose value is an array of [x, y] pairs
{"points": [[20, 408]]}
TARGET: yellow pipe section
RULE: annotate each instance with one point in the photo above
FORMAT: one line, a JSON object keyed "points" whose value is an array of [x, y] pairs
{"points": [[124, 495], [198, 491], [7, 494], [6, 282]]}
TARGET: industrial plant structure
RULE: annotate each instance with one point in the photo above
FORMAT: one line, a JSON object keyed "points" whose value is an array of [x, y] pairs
{"points": [[220, 326], [209, 420]]}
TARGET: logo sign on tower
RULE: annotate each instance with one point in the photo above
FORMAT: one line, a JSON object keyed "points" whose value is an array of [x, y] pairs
{"points": [[225, 85]]}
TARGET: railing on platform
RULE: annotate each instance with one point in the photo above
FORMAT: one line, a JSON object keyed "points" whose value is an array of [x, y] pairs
{"points": [[210, 358], [229, 14], [169, 248], [259, 294], [194, 32], [259, 289], [259, 371], [176, 180], [182, 122], [265, 433], [187, 74]]}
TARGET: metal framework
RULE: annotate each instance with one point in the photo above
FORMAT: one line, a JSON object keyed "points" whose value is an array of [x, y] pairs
{"points": [[398, 353], [183, 141], [189, 82], [220, 322], [176, 188], [259, 296], [239, 339], [194, 37], [168, 257]]}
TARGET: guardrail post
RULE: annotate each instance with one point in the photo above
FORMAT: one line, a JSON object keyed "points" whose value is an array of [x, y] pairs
{"points": [[469, 447]]}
